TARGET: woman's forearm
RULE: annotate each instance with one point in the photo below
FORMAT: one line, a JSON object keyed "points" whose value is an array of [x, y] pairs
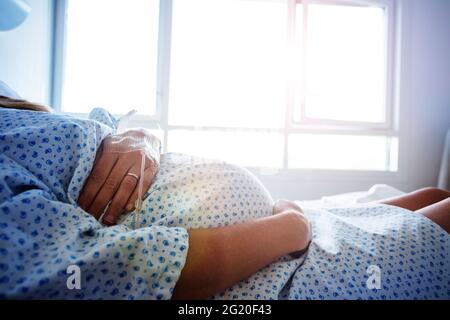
{"points": [[221, 257]]}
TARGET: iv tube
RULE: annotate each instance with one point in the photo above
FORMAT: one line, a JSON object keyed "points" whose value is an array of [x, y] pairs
{"points": [[138, 205]]}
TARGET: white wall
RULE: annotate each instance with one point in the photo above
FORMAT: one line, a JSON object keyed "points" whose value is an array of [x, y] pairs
{"points": [[25, 54], [430, 89], [425, 92]]}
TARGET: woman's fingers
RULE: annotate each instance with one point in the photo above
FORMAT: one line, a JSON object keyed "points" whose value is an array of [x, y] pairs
{"points": [[120, 200], [102, 167], [111, 185], [149, 173], [283, 205]]}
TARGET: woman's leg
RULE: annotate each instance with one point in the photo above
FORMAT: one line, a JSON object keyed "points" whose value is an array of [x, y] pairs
{"points": [[433, 203], [439, 213], [419, 199]]}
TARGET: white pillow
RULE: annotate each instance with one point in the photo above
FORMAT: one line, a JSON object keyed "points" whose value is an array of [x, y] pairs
{"points": [[6, 91]]}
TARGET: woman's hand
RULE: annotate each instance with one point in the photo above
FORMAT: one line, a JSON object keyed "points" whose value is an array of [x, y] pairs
{"points": [[115, 175], [286, 206]]}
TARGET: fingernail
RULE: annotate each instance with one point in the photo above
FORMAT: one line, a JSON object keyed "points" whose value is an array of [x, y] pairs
{"points": [[129, 207], [108, 220]]}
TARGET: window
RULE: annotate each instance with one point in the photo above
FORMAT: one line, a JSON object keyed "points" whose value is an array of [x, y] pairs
{"points": [[284, 84], [228, 63], [111, 50], [343, 152], [345, 63]]}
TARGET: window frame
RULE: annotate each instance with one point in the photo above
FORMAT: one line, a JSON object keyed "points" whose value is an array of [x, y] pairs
{"points": [[389, 128]]}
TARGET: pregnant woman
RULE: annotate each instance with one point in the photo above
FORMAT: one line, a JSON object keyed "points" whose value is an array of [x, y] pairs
{"points": [[207, 228]]}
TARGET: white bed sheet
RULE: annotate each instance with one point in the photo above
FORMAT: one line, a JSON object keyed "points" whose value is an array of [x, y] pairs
{"points": [[377, 192]]}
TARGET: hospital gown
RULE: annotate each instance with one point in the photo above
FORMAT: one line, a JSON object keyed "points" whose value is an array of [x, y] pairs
{"points": [[44, 162], [46, 159]]}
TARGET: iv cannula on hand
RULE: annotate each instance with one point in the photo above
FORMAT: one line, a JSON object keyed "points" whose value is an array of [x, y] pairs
{"points": [[131, 141]]}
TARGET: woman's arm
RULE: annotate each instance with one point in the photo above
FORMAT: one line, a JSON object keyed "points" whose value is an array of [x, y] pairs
{"points": [[220, 257]]}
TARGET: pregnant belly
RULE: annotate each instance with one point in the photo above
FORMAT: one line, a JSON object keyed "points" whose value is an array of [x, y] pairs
{"points": [[192, 192]]}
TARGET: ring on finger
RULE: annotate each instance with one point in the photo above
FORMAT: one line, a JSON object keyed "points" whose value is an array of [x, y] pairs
{"points": [[133, 175]]}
